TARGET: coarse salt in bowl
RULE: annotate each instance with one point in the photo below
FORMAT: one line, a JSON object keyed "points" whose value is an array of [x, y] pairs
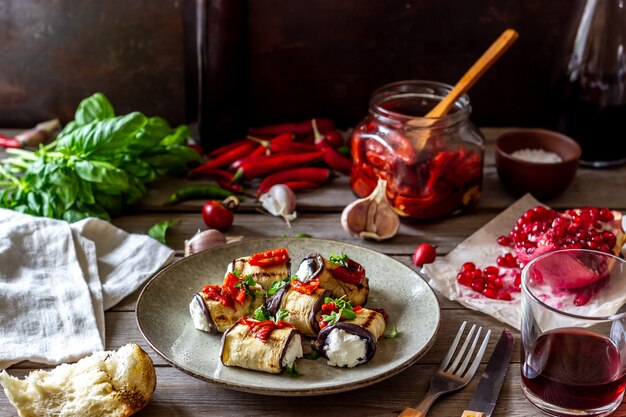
{"points": [[537, 161]]}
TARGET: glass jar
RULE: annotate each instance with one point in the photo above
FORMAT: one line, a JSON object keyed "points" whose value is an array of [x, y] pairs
{"points": [[433, 166]]}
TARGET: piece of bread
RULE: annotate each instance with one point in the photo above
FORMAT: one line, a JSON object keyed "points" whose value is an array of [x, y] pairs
{"points": [[105, 384]]}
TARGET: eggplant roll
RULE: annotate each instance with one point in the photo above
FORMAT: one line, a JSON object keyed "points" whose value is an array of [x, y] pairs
{"points": [[213, 317], [316, 266], [260, 275], [304, 309], [240, 348], [352, 342]]}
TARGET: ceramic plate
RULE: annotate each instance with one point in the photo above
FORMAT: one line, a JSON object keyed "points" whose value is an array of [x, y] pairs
{"points": [[163, 318]]}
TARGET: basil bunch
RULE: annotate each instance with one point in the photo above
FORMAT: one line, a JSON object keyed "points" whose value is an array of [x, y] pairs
{"points": [[99, 163]]}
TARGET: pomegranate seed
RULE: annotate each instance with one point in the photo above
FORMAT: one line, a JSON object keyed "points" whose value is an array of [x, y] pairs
{"points": [[504, 241], [606, 215], [491, 293], [477, 273], [604, 248], [582, 298], [504, 295], [464, 279], [492, 270], [498, 282], [468, 266], [478, 285], [501, 261]]}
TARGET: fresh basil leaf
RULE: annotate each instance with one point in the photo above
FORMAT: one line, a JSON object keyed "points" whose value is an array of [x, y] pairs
{"points": [[93, 210], [178, 137], [281, 314], [102, 172], [72, 216], [261, 313], [292, 371], [166, 164], [159, 230], [347, 314], [393, 333], [103, 137], [275, 286], [85, 192], [184, 153], [111, 203], [94, 108], [313, 355]]}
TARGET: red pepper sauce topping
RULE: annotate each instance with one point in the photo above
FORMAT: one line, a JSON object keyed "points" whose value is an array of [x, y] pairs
{"points": [[308, 287], [228, 293], [269, 258], [349, 271], [262, 329]]}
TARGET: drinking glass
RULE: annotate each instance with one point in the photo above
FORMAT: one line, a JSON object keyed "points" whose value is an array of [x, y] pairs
{"points": [[573, 360]]}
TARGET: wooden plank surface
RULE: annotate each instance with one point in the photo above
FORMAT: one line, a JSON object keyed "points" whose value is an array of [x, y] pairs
{"points": [[178, 394]]}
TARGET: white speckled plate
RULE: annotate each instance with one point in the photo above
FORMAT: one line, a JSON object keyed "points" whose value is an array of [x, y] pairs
{"points": [[163, 318]]}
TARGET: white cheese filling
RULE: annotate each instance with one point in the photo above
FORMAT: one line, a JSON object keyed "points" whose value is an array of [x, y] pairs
{"points": [[293, 352], [345, 349], [197, 315], [303, 271]]}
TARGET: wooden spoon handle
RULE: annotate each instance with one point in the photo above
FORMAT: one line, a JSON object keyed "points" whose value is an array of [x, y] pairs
{"points": [[490, 56], [409, 412]]}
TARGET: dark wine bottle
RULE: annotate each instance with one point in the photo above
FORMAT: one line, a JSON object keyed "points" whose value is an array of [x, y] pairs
{"points": [[594, 110]]}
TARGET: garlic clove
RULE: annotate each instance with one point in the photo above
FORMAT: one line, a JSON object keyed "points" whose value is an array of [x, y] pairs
{"points": [[280, 200], [371, 217], [204, 240]]}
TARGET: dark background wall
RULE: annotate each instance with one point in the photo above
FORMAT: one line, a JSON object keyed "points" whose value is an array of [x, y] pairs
{"points": [[290, 59]]}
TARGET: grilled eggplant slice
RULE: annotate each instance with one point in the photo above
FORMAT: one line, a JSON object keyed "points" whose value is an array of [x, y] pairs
{"points": [[241, 348], [304, 309], [316, 266], [352, 342], [213, 317], [261, 275]]}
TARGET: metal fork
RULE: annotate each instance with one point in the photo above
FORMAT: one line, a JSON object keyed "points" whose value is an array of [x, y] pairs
{"points": [[453, 377]]}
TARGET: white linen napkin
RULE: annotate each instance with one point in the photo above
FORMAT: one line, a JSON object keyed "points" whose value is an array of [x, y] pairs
{"points": [[56, 280]]}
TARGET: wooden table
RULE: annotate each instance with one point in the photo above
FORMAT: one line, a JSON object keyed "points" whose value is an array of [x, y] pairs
{"points": [[178, 394]]}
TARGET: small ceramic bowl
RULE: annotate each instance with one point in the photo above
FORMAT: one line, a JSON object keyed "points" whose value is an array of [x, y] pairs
{"points": [[543, 180]]}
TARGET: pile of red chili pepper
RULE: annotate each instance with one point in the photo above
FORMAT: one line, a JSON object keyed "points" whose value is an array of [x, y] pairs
{"points": [[228, 293], [300, 155]]}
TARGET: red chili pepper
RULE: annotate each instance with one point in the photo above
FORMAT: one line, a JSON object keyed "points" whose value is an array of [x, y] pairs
{"points": [[258, 154], [8, 142], [310, 174], [334, 138], [302, 185], [226, 158], [352, 272], [230, 186], [269, 258], [273, 163], [308, 287], [299, 129], [223, 149], [334, 159], [283, 144]]}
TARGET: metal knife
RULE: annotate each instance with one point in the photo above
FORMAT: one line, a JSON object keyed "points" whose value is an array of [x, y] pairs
{"points": [[484, 399]]}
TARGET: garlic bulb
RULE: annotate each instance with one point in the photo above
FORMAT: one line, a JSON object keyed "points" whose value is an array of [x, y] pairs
{"points": [[280, 200], [371, 217], [204, 240]]}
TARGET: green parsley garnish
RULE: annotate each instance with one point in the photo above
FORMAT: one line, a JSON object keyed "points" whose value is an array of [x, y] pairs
{"points": [[281, 314], [277, 285], [393, 333], [248, 283], [313, 355], [341, 259], [261, 314], [292, 371], [345, 310]]}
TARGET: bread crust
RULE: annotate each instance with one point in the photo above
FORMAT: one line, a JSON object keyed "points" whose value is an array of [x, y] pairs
{"points": [[105, 384]]}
